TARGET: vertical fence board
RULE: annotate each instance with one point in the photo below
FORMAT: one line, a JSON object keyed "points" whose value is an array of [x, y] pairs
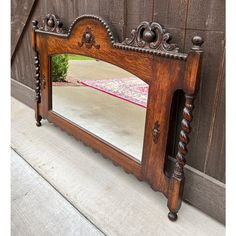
{"points": [[20, 11], [171, 13], [114, 11], [137, 11], [215, 159], [208, 15]]}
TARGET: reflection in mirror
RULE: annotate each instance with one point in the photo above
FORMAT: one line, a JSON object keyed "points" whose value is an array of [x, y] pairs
{"points": [[104, 99]]}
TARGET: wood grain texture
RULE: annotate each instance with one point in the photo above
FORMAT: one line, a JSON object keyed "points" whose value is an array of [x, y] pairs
{"points": [[211, 12], [22, 66], [117, 16], [114, 201], [23, 93], [20, 13], [171, 13], [215, 159], [137, 11], [38, 209]]}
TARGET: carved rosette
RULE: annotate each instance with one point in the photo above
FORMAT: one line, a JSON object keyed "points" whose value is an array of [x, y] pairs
{"points": [[184, 137], [88, 39], [151, 35]]}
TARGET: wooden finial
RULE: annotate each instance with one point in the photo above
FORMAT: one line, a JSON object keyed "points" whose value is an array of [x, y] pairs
{"points": [[197, 43]]}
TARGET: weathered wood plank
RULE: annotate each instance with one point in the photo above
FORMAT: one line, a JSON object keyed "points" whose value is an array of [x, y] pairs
{"points": [[38, 209], [23, 93], [22, 65], [20, 11], [116, 17], [215, 158], [171, 13], [207, 15], [136, 12]]}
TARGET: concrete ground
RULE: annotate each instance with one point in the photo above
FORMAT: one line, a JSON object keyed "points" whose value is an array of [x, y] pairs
{"points": [[38, 209], [116, 121], [62, 187]]}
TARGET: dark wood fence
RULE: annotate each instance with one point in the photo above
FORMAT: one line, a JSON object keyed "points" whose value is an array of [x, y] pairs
{"points": [[184, 19]]}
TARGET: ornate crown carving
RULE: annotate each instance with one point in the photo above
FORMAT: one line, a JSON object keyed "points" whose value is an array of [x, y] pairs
{"points": [[51, 23], [148, 37], [151, 35]]}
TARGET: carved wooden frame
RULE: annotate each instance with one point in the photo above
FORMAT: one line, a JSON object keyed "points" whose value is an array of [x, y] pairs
{"points": [[148, 55]]}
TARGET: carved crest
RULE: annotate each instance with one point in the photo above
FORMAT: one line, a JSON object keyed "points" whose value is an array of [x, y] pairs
{"points": [[151, 35], [148, 37], [88, 39], [51, 23]]}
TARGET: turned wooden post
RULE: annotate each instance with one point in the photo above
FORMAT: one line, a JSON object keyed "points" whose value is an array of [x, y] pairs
{"points": [[37, 75], [192, 77], [184, 137]]}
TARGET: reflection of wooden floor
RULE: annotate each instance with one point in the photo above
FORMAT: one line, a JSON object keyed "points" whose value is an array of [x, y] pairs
{"points": [[114, 120], [111, 200]]}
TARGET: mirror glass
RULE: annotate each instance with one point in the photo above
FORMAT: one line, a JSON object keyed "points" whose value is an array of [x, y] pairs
{"points": [[104, 99]]}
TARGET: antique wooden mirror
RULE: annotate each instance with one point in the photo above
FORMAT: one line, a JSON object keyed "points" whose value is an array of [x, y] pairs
{"points": [[117, 97]]}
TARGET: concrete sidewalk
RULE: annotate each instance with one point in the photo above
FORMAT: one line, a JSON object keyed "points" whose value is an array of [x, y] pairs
{"points": [[38, 209]]}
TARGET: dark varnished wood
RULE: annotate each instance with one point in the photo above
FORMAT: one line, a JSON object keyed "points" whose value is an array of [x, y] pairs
{"points": [[149, 55]]}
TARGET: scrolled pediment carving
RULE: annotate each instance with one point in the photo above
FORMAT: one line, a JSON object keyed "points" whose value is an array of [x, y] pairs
{"points": [[148, 37], [151, 35], [50, 23]]}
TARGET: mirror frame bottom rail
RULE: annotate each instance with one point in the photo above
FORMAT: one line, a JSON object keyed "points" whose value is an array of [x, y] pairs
{"points": [[149, 56]]}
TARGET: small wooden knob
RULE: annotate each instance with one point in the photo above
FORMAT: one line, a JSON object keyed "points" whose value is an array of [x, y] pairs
{"points": [[88, 37], [148, 36], [197, 43], [50, 22]]}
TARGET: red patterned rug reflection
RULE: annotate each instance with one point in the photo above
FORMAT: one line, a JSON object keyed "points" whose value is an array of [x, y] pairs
{"points": [[129, 89]]}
